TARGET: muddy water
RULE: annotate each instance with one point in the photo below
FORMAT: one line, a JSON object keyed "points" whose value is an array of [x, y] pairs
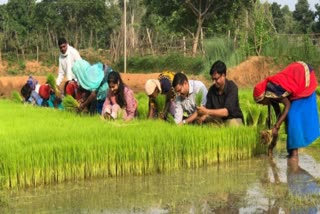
{"points": [[253, 186]]}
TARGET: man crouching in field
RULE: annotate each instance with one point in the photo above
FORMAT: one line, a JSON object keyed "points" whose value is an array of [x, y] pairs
{"points": [[222, 106], [186, 105]]}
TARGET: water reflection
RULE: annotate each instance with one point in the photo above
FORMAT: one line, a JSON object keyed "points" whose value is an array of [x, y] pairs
{"points": [[255, 186], [285, 187], [301, 182]]}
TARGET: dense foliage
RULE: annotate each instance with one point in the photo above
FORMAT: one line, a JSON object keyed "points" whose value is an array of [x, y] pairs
{"points": [[30, 28]]}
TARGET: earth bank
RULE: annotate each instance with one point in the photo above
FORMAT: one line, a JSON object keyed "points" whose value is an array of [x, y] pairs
{"points": [[246, 74]]}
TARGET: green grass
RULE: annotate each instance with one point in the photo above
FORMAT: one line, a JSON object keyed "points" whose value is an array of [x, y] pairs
{"points": [[43, 146]]}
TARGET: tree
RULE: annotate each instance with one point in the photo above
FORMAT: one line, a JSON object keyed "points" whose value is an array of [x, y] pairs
{"points": [[278, 17], [176, 17], [20, 23], [201, 9], [303, 16], [3, 28], [316, 25], [289, 22], [85, 23], [257, 28], [135, 13]]}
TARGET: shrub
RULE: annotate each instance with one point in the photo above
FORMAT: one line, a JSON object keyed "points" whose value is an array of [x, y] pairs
{"points": [[174, 62]]}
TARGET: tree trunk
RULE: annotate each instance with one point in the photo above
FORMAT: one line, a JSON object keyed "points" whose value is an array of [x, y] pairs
{"points": [[17, 53], [184, 46], [132, 32], [76, 38], [37, 53], [150, 41], [196, 38], [201, 42], [91, 38], [48, 41], [23, 55]]}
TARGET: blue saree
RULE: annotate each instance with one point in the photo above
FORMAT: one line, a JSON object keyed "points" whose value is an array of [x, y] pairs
{"points": [[302, 122]]}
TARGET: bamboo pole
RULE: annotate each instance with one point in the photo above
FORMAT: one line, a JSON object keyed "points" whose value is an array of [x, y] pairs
{"points": [[125, 36]]}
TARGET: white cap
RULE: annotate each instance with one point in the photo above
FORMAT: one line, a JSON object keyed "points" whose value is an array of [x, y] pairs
{"points": [[151, 85]]}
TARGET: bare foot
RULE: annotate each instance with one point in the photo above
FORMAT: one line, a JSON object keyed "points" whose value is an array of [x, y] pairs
{"points": [[293, 155], [293, 160]]}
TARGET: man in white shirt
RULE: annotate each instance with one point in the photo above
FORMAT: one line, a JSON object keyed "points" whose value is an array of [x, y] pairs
{"points": [[68, 56], [187, 91]]}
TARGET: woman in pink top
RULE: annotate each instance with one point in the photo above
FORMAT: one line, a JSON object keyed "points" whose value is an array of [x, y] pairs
{"points": [[120, 99]]}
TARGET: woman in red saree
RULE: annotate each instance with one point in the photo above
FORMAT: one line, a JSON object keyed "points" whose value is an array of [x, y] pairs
{"points": [[294, 87]]}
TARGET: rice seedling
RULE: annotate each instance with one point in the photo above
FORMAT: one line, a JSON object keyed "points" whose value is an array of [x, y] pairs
{"points": [[318, 90], [170, 119], [51, 81], [16, 97], [124, 149], [85, 147], [299, 202], [199, 97], [160, 104], [69, 103], [142, 110]]}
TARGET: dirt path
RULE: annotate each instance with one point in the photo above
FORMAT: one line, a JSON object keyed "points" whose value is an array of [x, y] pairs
{"points": [[245, 75]]}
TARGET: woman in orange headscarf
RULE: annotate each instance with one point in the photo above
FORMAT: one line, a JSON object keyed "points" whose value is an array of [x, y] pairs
{"points": [[294, 87]]}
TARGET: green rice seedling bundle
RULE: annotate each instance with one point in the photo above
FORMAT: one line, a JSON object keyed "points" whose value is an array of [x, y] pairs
{"points": [[199, 97], [256, 114], [142, 110], [170, 119], [88, 147], [160, 103], [318, 90], [16, 97], [51, 81], [69, 103]]}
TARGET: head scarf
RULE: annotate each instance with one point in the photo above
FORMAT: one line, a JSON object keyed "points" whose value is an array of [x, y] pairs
{"points": [[32, 82], [89, 76], [260, 90], [297, 80], [44, 91], [151, 85], [71, 88]]}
